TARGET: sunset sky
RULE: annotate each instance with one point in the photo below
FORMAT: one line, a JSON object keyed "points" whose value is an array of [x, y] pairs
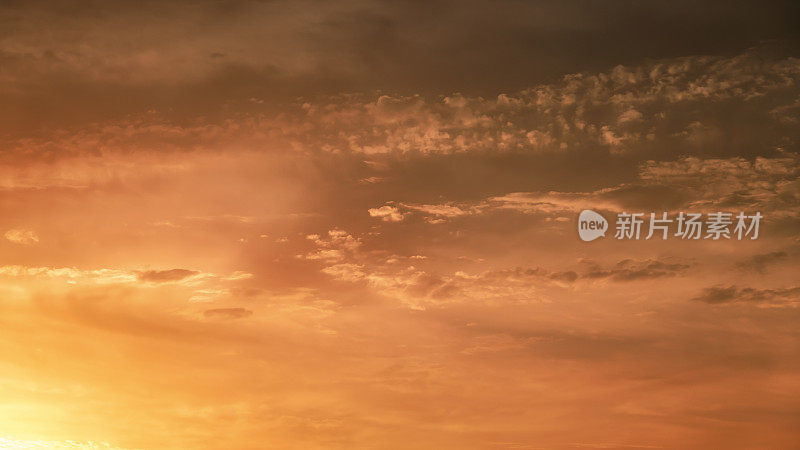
{"points": [[353, 225]]}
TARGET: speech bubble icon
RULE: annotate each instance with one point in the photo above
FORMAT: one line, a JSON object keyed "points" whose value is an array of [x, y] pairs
{"points": [[591, 225]]}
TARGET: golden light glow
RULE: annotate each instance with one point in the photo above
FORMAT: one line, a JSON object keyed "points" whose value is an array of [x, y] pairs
{"points": [[189, 260]]}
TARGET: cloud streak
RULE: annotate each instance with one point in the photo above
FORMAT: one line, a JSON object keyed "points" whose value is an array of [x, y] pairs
{"points": [[384, 252]]}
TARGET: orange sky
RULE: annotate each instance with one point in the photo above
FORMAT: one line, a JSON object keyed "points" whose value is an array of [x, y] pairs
{"points": [[242, 238]]}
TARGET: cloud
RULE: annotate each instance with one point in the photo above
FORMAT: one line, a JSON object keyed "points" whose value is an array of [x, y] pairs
{"points": [[346, 272], [265, 52], [328, 255], [419, 288], [761, 261], [238, 275], [447, 211], [630, 270], [648, 109], [70, 274], [784, 297], [337, 245], [549, 202], [637, 109], [166, 276], [690, 184], [25, 237], [212, 284], [228, 313], [266, 200], [387, 213], [10, 443]]}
